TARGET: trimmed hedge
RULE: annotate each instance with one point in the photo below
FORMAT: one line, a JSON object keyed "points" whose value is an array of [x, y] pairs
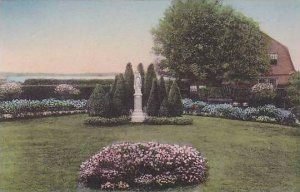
{"points": [[168, 121], [38, 92], [101, 121], [68, 81]]}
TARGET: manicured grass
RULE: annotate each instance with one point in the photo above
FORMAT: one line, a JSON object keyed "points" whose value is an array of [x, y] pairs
{"points": [[45, 154]]}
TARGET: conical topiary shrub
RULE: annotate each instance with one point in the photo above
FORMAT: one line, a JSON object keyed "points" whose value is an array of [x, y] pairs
{"points": [[118, 100], [174, 100], [98, 104], [153, 102], [162, 89], [150, 75], [164, 108], [129, 82]]}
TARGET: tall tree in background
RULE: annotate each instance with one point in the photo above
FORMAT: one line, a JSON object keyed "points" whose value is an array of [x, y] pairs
{"points": [[150, 75], [129, 82], [206, 41]]}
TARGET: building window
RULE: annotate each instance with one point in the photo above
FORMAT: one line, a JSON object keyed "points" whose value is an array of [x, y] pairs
{"points": [[273, 58], [272, 81], [193, 88]]}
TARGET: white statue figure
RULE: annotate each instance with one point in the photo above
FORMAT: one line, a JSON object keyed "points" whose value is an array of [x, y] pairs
{"points": [[137, 83], [138, 115]]}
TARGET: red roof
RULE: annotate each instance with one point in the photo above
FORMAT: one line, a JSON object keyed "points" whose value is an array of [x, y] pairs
{"points": [[284, 67]]}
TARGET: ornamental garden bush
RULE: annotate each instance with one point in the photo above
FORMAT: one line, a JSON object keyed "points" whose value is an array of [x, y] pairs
{"points": [[262, 93], [148, 166], [10, 90], [65, 91]]}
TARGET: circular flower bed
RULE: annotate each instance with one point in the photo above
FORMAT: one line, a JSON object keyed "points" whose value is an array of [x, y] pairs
{"points": [[144, 165]]}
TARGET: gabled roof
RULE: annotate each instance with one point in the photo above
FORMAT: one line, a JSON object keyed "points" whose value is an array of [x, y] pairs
{"points": [[284, 64]]}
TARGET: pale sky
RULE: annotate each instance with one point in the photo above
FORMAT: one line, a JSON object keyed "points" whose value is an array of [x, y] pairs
{"points": [[78, 36]]}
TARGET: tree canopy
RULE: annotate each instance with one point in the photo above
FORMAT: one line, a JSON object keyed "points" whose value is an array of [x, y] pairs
{"points": [[294, 89], [203, 40]]}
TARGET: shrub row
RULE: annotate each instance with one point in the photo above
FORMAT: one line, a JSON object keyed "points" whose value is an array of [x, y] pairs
{"points": [[267, 113], [240, 95], [168, 121], [48, 91], [22, 106], [102, 121], [144, 166], [50, 88]]}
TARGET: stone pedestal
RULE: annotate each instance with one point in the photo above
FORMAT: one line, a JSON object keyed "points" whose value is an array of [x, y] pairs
{"points": [[138, 115]]}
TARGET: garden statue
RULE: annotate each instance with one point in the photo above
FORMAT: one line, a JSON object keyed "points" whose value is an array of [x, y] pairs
{"points": [[137, 115]]}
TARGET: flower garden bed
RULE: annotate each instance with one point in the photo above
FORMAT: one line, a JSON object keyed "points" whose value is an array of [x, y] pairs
{"points": [[267, 113], [27, 115], [143, 166], [17, 109]]}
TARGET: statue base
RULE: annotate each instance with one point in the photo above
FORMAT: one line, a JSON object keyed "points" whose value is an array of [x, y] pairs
{"points": [[138, 117]]}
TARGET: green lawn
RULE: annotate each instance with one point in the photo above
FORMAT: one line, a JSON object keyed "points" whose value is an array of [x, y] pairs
{"points": [[45, 154]]}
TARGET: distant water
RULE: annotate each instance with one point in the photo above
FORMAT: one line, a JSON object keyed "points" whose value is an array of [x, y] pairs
{"points": [[21, 78]]}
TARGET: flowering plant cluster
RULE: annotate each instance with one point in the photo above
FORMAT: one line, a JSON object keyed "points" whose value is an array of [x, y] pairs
{"points": [[66, 90], [144, 165], [22, 106], [266, 113], [263, 92], [259, 87], [10, 90], [26, 115], [191, 106]]}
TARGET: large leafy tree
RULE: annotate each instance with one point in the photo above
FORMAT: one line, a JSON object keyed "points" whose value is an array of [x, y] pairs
{"points": [[207, 41], [294, 89]]}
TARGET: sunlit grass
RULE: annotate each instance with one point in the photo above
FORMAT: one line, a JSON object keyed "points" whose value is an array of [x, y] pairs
{"points": [[45, 154]]}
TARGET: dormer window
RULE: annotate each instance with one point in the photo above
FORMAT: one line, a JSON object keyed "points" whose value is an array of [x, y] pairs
{"points": [[274, 58]]}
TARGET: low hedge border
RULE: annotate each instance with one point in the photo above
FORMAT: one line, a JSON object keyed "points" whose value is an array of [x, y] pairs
{"points": [[102, 121], [29, 115], [168, 121]]}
